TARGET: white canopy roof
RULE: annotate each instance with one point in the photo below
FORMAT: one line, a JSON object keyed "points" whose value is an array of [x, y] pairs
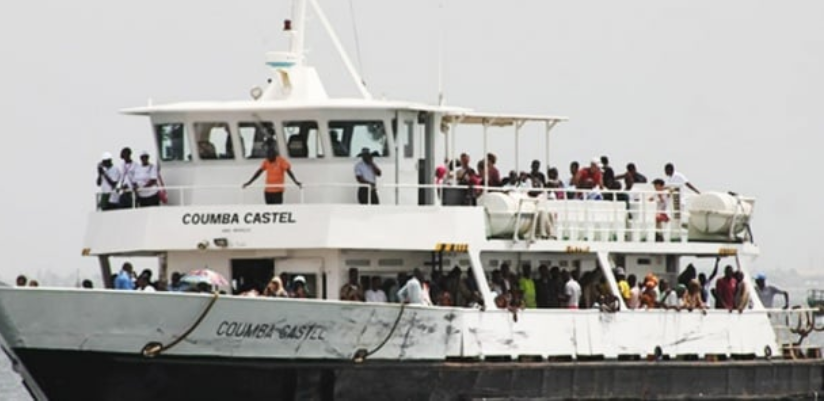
{"points": [[498, 120], [287, 105]]}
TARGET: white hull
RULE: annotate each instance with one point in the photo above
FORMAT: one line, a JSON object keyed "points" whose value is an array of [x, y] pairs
{"points": [[125, 322]]}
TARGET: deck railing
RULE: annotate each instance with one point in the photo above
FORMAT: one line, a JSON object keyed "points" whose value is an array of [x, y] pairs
{"points": [[799, 331], [562, 214]]}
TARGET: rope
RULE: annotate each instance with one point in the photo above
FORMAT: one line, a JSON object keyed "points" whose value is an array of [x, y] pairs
{"points": [[154, 349], [361, 354]]}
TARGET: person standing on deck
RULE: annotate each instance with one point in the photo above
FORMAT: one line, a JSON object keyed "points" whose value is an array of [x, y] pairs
{"points": [[127, 199], [124, 279], [725, 289], [108, 178], [145, 182], [376, 294], [352, 291], [766, 293], [527, 286], [631, 176], [677, 179], [367, 172], [414, 291], [573, 292], [275, 167]]}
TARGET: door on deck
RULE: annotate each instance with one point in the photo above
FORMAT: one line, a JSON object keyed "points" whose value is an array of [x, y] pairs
{"points": [[249, 274], [408, 133]]}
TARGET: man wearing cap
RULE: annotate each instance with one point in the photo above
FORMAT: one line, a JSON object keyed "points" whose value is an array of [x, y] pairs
{"points": [[275, 167], [108, 178], [367, 172], [766, 293], [299, 288], [145, 182]]}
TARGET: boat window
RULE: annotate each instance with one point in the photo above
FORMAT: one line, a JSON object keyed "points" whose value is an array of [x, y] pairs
{"points": [[255, 138], [214, 140], [172, 142], [348, 138], [303, 139]]}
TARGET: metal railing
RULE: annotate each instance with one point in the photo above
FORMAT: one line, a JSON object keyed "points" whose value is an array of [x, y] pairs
{"points": [[798, 331], [587, 215]]}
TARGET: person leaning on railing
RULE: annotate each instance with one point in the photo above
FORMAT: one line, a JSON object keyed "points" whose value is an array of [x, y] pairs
{"points": [[766, 293]]}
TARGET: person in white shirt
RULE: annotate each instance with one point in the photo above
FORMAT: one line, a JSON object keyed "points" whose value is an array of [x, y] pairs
{"points": [[634, 301], [376, 294], [108, 178], [415, 291], [677, 180], [145, 182], [127, 197], [367, 172], [573, 291]]}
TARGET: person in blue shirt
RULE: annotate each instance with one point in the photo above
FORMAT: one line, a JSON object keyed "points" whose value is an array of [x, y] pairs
{"points": [[124, 279]]}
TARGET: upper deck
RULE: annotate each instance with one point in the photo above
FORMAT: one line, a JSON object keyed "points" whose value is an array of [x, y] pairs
{"points": [[205, 151]]}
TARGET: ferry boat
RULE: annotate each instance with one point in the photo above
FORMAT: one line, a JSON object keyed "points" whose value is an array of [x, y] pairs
{"points": [[111, 344]]}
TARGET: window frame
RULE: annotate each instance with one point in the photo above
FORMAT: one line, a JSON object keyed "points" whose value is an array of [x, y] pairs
{"points": [[348, 132], [215, 124], [187, 150]]}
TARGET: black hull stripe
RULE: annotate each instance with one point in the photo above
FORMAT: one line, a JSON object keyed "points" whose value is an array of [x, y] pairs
{"points": [[73, 375]]}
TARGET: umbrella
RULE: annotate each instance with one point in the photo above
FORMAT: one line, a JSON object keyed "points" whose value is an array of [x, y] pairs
{"points": [[205, 276]]}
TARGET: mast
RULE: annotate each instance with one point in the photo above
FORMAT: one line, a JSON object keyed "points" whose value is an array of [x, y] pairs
{"points": [[295, 29], [293, 79]]}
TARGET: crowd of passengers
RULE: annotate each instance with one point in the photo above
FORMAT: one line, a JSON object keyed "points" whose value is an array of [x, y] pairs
{"points": [[552, 287], [140, 184], [596, 181], [133, 184]]}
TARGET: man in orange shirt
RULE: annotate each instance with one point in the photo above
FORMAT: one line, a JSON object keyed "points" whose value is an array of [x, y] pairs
{"points": [[275, 167]]}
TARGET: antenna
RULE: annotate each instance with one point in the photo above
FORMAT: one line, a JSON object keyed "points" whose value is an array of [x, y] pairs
{"points": [[440, 54], [346, 61]]}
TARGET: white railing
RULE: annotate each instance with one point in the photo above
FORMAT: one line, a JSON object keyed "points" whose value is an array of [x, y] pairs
{"points": [[587, 216]]}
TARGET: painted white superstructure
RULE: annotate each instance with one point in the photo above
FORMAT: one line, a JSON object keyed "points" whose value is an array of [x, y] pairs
{"points": [[208, 149]]}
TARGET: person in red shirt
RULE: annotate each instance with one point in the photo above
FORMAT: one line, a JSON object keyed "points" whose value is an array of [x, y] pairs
{"points": [[589, 177], [275, 168], [725, 289]]}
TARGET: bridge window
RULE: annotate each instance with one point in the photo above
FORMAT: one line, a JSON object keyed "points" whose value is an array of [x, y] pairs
{"points": [[348, 138], [214, 140], [255, 138], [172, 143], [303, 139]]}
